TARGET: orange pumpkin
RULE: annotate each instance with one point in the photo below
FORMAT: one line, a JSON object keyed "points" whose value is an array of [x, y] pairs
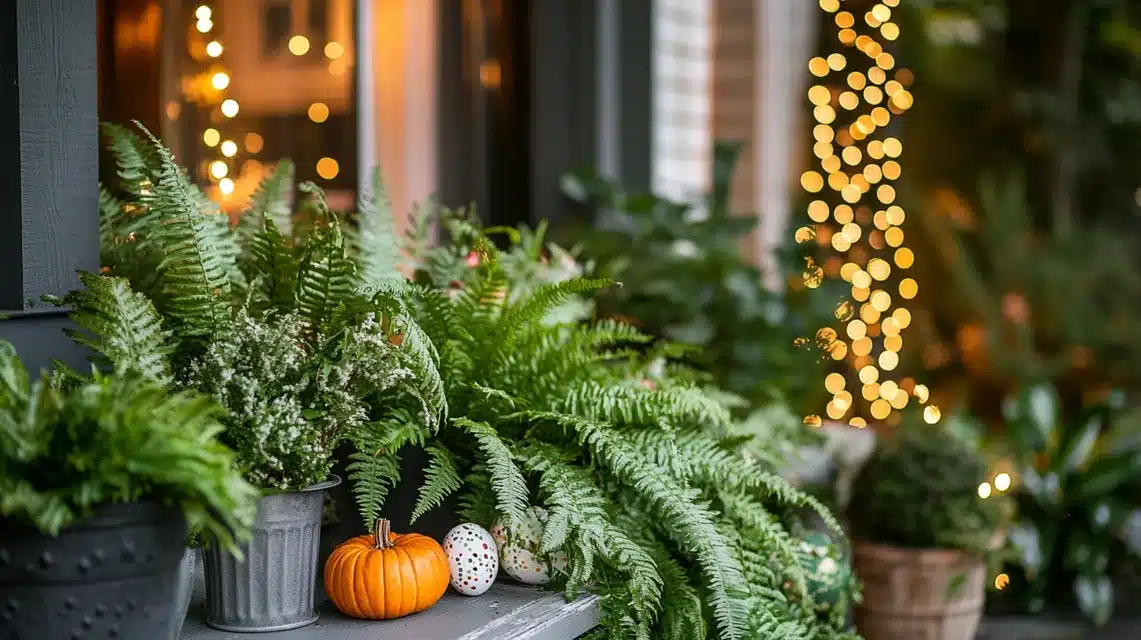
{"points": [[386, 575]]}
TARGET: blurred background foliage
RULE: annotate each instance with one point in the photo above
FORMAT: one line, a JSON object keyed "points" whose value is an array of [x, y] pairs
{"points": [[1021, 164]]}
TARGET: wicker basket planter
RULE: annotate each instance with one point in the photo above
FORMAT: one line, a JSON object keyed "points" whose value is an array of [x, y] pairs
{"points": [[918, 594]]}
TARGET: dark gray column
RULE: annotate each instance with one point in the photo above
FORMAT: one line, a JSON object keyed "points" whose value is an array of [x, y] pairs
{"points": [[48, 167]]}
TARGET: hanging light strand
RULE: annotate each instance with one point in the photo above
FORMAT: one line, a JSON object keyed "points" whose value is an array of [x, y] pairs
{"points": [[857, 93]]}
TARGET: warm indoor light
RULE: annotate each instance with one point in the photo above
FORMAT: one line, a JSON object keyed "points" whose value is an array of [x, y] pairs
{"points": [[226, 186], [1002, 481], [984, 490], [299, 45], [254, 143], [220, 80], [204, 26], [229, 148], [218, 169], [214, 48], [203, 13], [318, 112], [211, 137], [328, 168], [334, 50], [229, 107]]}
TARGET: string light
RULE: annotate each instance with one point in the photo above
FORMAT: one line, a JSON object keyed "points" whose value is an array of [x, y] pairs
{"points": [[299, 45], [853, 101], [230, 107], [328, 168]]}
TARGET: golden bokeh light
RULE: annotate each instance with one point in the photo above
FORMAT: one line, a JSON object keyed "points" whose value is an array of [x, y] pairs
{"points": [[230, 107], [254, 143], [299, 45], [834, 383], [857, 214], [1001, 581], [226, 186], [318, 112], [214, 49], [220, 80], [1002, 481], [211, 137], [328, 168], [229, 148], [219, 169], [334, 50]]}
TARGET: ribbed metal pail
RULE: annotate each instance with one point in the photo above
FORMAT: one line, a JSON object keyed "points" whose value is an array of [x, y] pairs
{"points": [[273, 587]]}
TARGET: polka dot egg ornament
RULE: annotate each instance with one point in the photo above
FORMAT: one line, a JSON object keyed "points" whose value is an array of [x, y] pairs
{"points": [[519, 549], [472, 559]]}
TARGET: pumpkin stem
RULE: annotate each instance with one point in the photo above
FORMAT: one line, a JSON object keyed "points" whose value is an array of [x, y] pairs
{"points": [[380, 534]]}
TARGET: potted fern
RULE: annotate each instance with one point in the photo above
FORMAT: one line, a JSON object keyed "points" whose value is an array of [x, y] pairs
{"points": [[99, 478], [291, 333], [922, 535], [547, 411]]}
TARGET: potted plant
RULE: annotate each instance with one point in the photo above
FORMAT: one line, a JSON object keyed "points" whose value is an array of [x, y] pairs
{"points": [[605, 466], [291, 333], [1075, 472], [922, 533], [99, 479]]}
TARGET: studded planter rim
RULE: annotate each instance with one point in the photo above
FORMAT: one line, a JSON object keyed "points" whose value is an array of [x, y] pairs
{"points": [[273, 587], [112, 575]]}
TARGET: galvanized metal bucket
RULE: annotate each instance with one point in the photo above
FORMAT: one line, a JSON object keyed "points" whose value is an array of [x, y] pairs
{"points": [[182, 590], [273, 587]]}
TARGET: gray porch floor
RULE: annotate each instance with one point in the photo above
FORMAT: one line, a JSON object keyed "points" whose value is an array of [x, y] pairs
{"points": [[506, 612]]}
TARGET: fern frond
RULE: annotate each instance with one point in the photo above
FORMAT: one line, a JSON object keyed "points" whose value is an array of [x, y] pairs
{"points": [[690, 523], [374, 467], [511, 492], [195, 272], [579, 520], [325, 279], [379, 245], [271, 199], [272, 267], [120, 325], [536, 306], [137, 164], [636, 405], [441, 480]]}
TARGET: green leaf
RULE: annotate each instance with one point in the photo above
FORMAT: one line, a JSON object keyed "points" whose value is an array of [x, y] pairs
{"points": [[1095, 597], [1076, 451], [1038, 417], [1087, 553], [1105, 476]]}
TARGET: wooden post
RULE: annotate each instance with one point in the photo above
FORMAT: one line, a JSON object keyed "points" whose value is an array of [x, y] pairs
{"points": [[48, 168]]}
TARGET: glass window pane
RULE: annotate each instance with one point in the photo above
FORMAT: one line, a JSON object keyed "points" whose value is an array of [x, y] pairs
{"points": [[251, 82]]}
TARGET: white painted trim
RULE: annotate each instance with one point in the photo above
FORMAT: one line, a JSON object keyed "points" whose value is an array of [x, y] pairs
{"points": [[785, 31], [403, 48]]}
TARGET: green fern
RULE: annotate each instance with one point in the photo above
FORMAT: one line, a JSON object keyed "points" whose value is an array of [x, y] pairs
{"points": [[442, 480], [374, 467], [512, 493], [120, 325], [195, 272]]}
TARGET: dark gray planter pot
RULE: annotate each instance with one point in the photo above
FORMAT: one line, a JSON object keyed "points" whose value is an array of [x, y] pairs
{"points": [[273, 587], [183, 589], [110, 576]]}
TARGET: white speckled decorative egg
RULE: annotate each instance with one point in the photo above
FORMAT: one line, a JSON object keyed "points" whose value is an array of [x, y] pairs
{"points": [[519, 549], [472, 559]]}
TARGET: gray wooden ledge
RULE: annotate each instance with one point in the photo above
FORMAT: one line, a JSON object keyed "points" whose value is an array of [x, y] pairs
{"points": [[506, 612]]}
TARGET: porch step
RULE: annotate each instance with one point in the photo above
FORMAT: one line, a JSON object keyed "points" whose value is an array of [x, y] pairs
{"points": [[506, 612]]}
